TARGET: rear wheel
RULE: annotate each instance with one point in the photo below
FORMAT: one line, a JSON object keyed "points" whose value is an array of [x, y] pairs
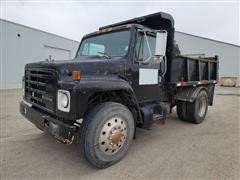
{"points": [[106, 133], [197, 110], [182, 110]]}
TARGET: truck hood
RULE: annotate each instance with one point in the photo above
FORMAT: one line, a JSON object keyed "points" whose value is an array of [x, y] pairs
{"points": [[87, 66]]}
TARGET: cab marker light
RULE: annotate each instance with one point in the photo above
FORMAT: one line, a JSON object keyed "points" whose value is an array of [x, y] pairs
{"points": [[76, 75]]}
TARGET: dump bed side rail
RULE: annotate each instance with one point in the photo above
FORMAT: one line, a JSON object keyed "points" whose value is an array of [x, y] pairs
{"points": [[188, 71]]}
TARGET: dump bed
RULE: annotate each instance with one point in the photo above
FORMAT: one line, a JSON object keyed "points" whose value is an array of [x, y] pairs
{"points": [[187, 71]]}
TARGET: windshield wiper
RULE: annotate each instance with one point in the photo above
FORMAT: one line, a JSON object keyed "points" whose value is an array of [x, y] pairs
{"points": [[104, 54]]}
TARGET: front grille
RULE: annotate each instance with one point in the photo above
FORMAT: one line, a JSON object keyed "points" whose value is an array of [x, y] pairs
{"points": [[40, 88]]}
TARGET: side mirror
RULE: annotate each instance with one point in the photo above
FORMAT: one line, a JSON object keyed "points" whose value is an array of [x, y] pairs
{"points": [[161, 43]]}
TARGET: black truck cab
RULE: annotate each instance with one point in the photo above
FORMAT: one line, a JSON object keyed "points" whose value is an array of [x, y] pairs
{"points": [[126, 75]]}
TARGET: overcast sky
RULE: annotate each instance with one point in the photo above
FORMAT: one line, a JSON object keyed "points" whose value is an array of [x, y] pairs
{"points": [[71, 19]]}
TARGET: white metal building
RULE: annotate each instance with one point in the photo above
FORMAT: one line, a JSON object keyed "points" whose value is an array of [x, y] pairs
{"points": [[20, 44]]}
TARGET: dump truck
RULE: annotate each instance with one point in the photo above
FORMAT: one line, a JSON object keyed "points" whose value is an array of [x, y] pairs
{"points": [[124, 76]]}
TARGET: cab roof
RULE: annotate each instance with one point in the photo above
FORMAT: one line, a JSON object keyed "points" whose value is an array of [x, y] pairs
{"points": [[156, 21]]}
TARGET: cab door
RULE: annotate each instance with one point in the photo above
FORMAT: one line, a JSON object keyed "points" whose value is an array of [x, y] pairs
{"points": [[146, 69]]}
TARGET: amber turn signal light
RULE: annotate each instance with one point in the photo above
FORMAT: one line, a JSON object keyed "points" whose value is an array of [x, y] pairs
{"points": [[76, 75]]}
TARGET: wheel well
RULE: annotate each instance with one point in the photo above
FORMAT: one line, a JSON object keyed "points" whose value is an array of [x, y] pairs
{"points": [[190, 93], [121, 96]]}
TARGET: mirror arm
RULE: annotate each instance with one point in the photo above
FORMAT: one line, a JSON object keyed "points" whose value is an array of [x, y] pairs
{"points": [[165, 65]]}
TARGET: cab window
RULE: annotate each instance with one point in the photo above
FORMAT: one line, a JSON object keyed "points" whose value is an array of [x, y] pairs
{"points": [[92, 48], [113, 44], [142, 53]]}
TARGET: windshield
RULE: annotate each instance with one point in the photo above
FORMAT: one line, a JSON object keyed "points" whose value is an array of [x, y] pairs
{"points": [[110, 45]]}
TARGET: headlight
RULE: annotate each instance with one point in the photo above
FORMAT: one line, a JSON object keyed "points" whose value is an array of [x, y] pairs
{"points": [[63, 100]]}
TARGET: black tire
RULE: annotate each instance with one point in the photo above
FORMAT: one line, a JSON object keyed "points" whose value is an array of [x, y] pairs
{"points": [[197, 110], [92, 130], [182, 110]]}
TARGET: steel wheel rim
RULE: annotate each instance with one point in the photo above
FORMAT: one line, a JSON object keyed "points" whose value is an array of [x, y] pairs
{"points": [[202, 106], [112, 135]]}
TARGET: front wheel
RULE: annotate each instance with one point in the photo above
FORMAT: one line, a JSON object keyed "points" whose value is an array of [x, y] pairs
{"points": [[106, 133]]}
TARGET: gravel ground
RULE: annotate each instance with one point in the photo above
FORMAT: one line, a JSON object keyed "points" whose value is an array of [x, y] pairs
{"points": [[177, 150]]}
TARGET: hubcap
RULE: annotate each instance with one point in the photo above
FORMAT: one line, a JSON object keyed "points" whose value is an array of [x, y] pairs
{"points": [[116, 137], [202, 106], [112, 135]]}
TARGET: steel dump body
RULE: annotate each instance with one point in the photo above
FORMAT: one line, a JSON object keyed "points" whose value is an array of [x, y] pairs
{"points": [[185, 71]]}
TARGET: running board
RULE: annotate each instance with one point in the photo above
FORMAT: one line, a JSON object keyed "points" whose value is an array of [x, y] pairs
{"points": [[158, 119]]}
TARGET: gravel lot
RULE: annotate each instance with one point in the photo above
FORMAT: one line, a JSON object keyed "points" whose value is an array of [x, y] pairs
{"points": [[177, 150]]}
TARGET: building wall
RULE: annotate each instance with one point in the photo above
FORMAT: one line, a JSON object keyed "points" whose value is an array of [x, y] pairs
{"points": [[229, 58], [20, 45]]}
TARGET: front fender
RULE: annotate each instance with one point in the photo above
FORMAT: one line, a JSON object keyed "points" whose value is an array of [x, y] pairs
{"points": [[92, 85], [103, 84]]}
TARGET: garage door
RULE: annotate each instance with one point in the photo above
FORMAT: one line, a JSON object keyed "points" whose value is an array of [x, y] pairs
{"points": [[55, 53]]}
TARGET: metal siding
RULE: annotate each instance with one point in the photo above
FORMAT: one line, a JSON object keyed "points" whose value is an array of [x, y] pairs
{"points": [[29, 47], [54, 53]]}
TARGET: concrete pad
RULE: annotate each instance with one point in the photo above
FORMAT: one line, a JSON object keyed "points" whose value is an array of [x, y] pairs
{"points": [[177, 150]]}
